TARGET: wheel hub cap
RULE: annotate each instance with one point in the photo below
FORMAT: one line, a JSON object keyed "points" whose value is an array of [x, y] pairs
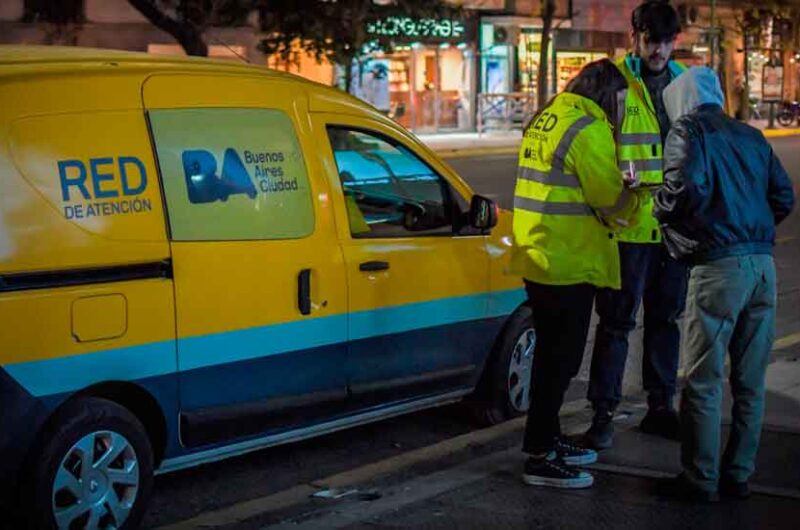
{"points": [[96, 484], [520, 369]]}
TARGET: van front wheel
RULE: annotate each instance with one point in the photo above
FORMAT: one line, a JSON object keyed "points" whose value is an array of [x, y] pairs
{"points": [[94, 469], [505, 388]]}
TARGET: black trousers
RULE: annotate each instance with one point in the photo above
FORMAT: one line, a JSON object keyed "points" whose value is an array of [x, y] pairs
{"points": [[561, 315], [651, 276]]}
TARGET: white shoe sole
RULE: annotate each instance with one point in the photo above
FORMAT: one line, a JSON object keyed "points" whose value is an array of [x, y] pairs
{"points": [[584, 481], [584, 460]]}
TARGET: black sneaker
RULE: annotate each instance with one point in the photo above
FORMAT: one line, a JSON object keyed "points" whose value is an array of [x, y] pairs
{"points": [[573, 454], [662, 421], [552, 472], [683, 489], [731, 488], [601, 434]]}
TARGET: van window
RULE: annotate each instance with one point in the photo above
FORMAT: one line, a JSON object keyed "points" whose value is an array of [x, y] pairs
{"points": [[232, 174], [389, 191]]}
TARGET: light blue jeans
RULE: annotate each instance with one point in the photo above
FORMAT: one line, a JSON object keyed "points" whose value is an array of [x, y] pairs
{"points": [[730, 309]]}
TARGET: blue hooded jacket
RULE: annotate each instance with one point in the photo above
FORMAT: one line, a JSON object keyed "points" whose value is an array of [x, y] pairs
{"points": [[724, 189]]}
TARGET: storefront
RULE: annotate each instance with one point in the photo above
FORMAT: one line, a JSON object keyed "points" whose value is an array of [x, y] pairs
{"points": [[511, 53], [427, 82], [565, 63]]}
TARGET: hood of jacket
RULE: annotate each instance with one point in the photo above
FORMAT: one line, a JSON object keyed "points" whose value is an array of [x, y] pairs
{"points": [[697, 86]]}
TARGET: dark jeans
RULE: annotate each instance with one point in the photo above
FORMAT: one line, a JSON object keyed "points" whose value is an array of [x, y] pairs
{"points": [[650, 275], [730, 313], [561, 316]]}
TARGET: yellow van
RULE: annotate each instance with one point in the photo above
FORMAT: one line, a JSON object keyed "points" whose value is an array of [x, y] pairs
{"points": [[200, 259]]}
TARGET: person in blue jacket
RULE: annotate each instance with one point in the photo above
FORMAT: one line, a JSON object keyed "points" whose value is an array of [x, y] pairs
{"points": [[724, 192]]}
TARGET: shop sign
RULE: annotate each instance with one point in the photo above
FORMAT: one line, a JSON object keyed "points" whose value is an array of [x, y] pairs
{"points": [[407, 29], [772, 83]]}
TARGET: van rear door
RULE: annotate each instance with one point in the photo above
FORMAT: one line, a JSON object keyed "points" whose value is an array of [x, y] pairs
{"points": [[259, 278]]}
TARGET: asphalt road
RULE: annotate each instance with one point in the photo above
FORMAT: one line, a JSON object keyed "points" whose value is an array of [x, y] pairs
{"points": [[183, 495], [494, 177]]}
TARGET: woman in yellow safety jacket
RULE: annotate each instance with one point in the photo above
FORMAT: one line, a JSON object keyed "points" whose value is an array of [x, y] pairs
{"points": [[569, 199]]}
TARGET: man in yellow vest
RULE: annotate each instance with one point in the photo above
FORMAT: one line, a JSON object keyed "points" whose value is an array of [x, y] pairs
{"points": [[569, 198], [649, 274]]}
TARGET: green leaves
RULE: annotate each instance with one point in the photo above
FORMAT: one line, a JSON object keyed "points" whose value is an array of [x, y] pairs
{"points": [[336, 30]]}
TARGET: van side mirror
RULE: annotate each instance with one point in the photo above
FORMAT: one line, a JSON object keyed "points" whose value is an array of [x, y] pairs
{"points": [[482, 213]]}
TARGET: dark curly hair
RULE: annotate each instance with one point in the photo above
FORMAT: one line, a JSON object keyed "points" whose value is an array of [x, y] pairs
{"points": [[657, 20]]}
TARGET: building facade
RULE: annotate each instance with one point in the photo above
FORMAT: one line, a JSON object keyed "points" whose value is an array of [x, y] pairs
{"points": [[479, 70], [115, 24]]}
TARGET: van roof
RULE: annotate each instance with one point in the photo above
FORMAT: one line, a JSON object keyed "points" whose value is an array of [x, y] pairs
{"points": [[37, 56], [33, 59]]}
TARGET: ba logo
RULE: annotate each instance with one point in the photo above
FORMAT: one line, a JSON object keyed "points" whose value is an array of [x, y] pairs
{"points": [[633, 110], [203, 183]]}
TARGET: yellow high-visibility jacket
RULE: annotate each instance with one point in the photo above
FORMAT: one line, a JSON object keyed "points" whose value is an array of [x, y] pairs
{"points": [[569, 192], [639, 142]]}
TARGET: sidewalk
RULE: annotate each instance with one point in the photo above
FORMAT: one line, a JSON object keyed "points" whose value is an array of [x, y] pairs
{"points": [[453, 145], [496, 143], [473, 481], [485, 490]]}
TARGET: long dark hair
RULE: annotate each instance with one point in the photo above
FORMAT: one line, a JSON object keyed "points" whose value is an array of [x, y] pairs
{"points": [[599, 81]]}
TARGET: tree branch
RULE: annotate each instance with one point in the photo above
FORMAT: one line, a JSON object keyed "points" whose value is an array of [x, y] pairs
{"points": [[186, 33]]}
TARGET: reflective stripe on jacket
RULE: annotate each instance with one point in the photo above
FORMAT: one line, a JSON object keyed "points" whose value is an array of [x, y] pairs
{"points": [[567, 181], [639, 143]]}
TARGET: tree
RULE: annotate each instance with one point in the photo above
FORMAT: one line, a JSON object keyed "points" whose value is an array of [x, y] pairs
{"points": [[55, 12], [62, 19], [187, 20], [548, 13], [759, 22], [336, 30]]}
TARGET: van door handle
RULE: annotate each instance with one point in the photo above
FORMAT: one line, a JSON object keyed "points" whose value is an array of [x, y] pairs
{"points": [[304, 292], [372, 266]]}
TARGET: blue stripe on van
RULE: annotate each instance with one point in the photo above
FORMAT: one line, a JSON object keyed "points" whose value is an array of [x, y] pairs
{"points": [[263, 341], [398, 319], [503, 303], [253, 343], [64, 374]]}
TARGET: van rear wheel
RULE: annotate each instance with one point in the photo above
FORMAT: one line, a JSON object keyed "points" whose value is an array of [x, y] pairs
{"points": [[505, 388], [93, 469]]}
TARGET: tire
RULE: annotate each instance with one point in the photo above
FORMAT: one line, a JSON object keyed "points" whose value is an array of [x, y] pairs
{"points": [[785, 118], [504, 390], [123, 481]]}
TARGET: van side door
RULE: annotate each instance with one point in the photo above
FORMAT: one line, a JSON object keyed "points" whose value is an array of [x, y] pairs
{"points": [[418, 276], [259, 277]]}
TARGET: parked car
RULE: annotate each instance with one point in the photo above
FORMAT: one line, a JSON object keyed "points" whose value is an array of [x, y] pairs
{"points": [[200, 259]]}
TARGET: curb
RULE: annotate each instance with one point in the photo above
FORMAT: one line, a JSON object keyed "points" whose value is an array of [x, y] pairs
{"points": [[348, 479], [778, 133], [467, 152], [477, 151]]}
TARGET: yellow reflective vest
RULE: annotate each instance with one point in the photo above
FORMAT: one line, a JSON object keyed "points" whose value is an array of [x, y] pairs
{"points": [[639, 143], [568, 186]]}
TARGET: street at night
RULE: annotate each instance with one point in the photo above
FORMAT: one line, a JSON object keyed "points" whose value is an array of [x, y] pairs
{"points": [[438, 469], [399, 264]]}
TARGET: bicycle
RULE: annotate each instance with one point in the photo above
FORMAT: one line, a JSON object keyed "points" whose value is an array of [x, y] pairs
{"points": [[789, 113]]}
